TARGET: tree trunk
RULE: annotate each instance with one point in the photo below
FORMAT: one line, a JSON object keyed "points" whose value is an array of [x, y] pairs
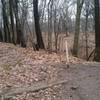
{"points": [[50, 5], [17, 20], [86, 28], [86, 37], [12, 20], [37, 25], [77, 28], [5, 23], [97, 30], [20, 34], [1, 36]]}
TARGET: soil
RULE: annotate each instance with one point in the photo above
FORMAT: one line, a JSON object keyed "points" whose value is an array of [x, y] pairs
{"points": [[24, 67]]}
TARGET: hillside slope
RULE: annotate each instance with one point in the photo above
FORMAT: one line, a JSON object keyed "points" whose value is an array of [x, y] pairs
{"points": [[24, 67]]}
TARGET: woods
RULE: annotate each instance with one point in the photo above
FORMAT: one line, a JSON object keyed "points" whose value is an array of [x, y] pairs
{"points": [[52, 21], [49, 49]]}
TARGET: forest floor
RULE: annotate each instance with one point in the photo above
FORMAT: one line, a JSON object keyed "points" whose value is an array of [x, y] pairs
{"points": [[24, 67]]}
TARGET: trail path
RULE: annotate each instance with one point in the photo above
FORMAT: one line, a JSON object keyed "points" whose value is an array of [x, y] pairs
{"points": [[23, 67]]}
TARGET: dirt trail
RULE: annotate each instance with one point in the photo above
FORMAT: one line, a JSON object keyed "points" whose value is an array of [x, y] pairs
{"points": [[24, 67], [87, 80]]}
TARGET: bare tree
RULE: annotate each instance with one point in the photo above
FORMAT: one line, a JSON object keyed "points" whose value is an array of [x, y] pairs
{"points": [[12, 20], [97, 30], [50, 7], [77, 27], [37, 25], [86, 27], [19, 31], [1, 36], [7, 36], [15, 7]]}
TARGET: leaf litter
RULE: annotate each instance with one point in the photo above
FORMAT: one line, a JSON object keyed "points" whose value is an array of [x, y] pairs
{"points": [[20, 66]]}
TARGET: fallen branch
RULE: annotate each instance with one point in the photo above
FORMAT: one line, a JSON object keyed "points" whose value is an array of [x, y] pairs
{"points": [[29, 89]]}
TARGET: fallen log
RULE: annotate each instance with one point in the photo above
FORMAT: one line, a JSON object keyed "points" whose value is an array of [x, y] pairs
{"points": [[28, 89]]}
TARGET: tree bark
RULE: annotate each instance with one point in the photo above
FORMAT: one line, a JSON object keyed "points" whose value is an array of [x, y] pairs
{"points": [[7, 36], [1, 36], [12, 20], [17, 21], [97, 30], [86, 27], [50, 6], [37, 25], [77, 28], [19, 31]]}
